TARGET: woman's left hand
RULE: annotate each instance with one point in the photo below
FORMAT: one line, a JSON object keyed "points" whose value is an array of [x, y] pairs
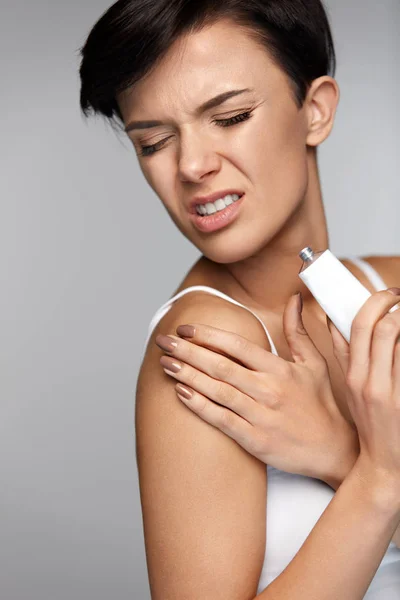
{"points": [[283, 413]]}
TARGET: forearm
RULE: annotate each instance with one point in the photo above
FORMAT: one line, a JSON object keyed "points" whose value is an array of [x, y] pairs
{"points": [[336, 479], [345, 548]]}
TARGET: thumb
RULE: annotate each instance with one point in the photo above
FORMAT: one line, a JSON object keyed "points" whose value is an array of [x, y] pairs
{"points": [[341, 348], [301, 345]]}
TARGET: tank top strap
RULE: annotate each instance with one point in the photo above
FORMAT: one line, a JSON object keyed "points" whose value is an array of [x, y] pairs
{"points": [[370, 272], [201, 288]]}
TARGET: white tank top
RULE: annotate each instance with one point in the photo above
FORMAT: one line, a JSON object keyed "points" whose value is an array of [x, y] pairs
{"points": [[295, 502]]}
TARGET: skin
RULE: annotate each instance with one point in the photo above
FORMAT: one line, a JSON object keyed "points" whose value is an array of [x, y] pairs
{"points": [[272, 157], [277, 169]]}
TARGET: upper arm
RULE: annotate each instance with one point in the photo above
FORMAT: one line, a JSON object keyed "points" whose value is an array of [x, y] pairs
{"points": [[203, 496]]}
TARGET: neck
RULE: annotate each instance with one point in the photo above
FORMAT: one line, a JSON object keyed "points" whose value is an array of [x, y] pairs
{"points": [[268, 279]]}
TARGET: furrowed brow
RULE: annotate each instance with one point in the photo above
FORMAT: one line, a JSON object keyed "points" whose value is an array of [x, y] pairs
{"points": [[211, 103]]}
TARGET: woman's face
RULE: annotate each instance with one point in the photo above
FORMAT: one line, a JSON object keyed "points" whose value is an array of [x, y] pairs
{"points": [[261, 154]]}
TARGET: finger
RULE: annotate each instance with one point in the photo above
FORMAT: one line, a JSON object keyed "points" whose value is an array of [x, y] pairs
{"points": [[396, 373], [341, 348], [218, 367], [362, 329], [301, 345], [236, 346], [217, 391], [385, 335], [221, 418]]}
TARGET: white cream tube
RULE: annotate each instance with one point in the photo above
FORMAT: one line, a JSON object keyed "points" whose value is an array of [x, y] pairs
{"points": [[337, 291]]}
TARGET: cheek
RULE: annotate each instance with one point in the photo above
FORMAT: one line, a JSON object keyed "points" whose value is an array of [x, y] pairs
{"points": [[280, 157], [160, 179], [270, 148]]}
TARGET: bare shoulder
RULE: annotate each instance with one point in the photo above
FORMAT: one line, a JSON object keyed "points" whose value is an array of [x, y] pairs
{"points": [[203, 496], [203, 307], [388, 268]]}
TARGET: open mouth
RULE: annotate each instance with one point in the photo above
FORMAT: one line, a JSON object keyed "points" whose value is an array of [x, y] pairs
{"points": [[211, 208], [220, 218]]}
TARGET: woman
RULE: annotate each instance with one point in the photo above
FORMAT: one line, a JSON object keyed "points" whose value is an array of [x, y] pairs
{"points": [[226, 105]]}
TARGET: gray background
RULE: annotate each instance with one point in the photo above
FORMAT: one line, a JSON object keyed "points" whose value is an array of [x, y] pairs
{"points": [[81, 277]]}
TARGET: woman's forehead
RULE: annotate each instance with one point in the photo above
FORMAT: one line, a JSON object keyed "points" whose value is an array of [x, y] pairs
{"points": [[200, 65]]}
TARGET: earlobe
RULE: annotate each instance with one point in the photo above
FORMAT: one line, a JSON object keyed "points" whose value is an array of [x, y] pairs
{"points": [[323, 99]]}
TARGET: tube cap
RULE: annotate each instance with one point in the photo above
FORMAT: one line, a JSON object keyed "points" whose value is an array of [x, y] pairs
{"points": [[306, 253]]}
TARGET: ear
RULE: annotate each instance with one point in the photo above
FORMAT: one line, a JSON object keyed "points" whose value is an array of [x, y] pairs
{"points": [[322, 101]]}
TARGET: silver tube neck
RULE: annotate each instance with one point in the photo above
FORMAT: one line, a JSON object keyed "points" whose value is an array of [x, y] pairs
{"points": [[306, 253]]}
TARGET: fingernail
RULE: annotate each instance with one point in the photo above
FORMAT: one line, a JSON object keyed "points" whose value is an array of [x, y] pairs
{"points": [[299, 302], [395, 291], [186, 331], [170, 365], [185, 392], [166, 343]]}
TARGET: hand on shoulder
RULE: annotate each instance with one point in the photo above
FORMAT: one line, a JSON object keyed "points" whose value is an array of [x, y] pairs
{"points": [[203, 307]]}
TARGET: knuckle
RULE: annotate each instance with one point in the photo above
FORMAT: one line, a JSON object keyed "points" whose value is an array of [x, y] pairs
{"points": [[191, 377], [352, 380], [202, 404], [241, 344], [358, 325], [300, 330], [225, 419], [270, 398], [187, 350], [270, 395], [372, 391], [386, 327], [225, 395], [220, 392], [223, 369], [207, 335], [263, 392]]}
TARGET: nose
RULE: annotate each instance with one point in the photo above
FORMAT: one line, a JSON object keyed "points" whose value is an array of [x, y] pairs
{"points": [[197, 157]]}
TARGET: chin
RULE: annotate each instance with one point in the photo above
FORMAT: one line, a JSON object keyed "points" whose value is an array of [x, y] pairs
{"points": [[227, 251], [234, 244]]}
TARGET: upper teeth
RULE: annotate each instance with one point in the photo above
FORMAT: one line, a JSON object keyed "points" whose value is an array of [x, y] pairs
{"points": [[220, 204]]}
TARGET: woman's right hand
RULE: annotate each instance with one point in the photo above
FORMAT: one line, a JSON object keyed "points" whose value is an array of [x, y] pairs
{"points": [[371, 366]]}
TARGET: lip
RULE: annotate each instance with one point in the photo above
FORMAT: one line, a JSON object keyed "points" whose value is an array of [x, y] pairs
{"points": [[218, 220], [211, 198]]}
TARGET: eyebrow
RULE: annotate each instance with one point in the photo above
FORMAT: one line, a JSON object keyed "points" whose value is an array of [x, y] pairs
{"points": [[212, 103]]}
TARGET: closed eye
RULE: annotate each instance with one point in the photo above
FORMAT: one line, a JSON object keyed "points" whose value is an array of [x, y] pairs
{"points": [[148, 150]]}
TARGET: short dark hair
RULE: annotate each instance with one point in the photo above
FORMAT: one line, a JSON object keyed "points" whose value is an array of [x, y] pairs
{"points": [[132, 36]]}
